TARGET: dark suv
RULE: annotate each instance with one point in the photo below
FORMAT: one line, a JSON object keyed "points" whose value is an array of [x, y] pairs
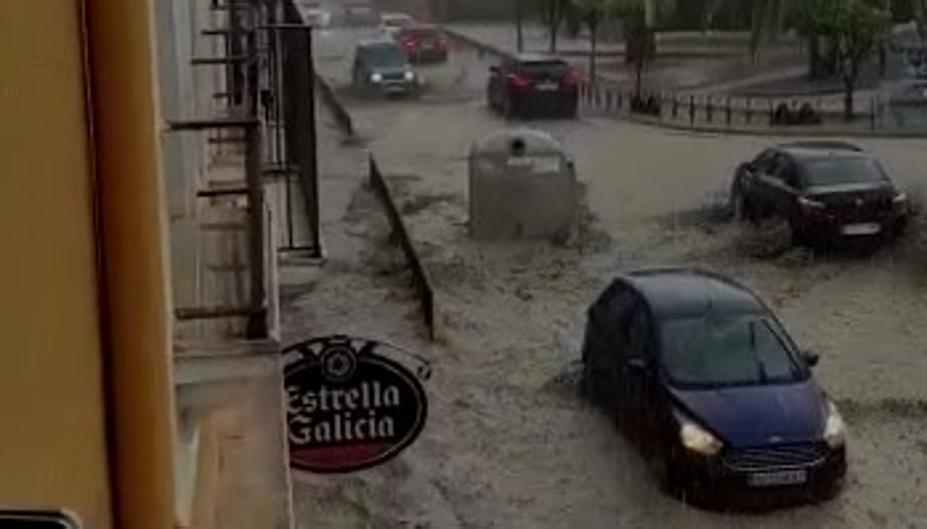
{"points": [[699, 370], [826, 191], [528, 84], [381, 67]]}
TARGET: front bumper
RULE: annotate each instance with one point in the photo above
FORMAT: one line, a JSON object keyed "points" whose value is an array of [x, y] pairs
{"points": [[714, 474], [395, 87], [837, 228]]}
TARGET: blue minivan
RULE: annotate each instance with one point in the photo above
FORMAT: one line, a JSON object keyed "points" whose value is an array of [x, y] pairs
{"points": [[699, 369]]}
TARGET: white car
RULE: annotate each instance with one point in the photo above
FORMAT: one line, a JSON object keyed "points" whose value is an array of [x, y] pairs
{"points": [[317, 17], [393, 23]]}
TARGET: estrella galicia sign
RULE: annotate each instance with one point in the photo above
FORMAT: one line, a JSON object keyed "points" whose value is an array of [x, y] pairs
{"points": [[351, 404]]}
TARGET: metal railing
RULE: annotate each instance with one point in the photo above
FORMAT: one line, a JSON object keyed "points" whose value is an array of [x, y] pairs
{"points": [[731, 112], [804, 115], [330, 100], [420, 280]]}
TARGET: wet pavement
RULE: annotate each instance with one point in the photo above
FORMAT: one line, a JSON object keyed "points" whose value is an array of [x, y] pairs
{"points": [[508, 443]]}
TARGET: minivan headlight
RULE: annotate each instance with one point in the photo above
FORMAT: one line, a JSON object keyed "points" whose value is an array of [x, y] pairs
{"points": [[410, 76], [698, 439], [376, 78], [834, 429]]}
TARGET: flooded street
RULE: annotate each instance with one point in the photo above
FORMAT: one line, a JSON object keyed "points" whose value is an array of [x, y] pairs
{"points": [[508, 443]]}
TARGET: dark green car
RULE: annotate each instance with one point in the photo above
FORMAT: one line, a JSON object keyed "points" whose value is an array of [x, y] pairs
{"points": [[381, 67]]}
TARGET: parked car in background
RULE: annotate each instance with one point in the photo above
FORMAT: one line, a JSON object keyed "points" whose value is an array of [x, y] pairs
{"points": [[392, 23], [316, 16], [826, 191], [699, 369], [423, 44], [381, 67], [529, 85], [360, 14]]}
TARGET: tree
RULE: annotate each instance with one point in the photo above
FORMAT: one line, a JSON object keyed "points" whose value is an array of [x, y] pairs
{"points": [[640, 18], [591, 14], [855, 30], [553, 13], [767, 20]]}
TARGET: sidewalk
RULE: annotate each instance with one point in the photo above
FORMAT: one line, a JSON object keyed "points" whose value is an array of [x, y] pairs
{"points": [[536, 40], [716, 72]]}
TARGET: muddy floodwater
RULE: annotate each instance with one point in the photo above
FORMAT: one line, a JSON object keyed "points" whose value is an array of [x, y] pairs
{"points": [[508, 443]]}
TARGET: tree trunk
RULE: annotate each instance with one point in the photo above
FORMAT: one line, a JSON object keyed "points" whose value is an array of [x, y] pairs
{"points": [[834, 64], [594, 51], [553, 36], [848, 99], [883, 61], [639, 77], [554, 17], [814, 57]]}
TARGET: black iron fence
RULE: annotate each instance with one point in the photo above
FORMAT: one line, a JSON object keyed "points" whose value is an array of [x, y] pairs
{"points": [[420, 281], [734, 113]]}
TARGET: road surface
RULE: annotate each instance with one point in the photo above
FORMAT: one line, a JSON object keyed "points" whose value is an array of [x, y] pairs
{"points": [[508, 444]]}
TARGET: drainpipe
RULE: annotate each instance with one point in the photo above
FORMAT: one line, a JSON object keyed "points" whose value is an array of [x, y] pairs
{"points": [[132, 239]]}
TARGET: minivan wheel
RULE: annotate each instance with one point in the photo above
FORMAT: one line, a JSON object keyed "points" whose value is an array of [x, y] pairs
{"points": [[669, 474], [741, 209], [588, 384], [827, 490]]}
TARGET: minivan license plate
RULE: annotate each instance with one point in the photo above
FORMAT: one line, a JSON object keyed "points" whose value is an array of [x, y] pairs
{"points": [[548, 87], [772, 479], [862, 229]]}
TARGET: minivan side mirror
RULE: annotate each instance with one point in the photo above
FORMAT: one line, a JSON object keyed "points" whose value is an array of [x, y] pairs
{"points": [[637, 363], [811, 358]]}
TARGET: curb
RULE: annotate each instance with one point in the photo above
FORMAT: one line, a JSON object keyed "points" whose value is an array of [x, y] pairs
{"points": [[330, 100], [482, 47], [796, 132]]}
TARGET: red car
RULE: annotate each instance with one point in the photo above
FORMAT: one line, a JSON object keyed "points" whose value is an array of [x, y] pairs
{"points": [[423, 44], [533, 84]]}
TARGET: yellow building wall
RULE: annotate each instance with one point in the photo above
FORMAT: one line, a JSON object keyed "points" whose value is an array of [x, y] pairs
{"points": [[52, 440]]}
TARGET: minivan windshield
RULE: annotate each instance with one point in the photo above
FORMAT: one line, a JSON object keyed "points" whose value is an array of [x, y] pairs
{"points": [[837, 170], [384, 55], [726, 351]]}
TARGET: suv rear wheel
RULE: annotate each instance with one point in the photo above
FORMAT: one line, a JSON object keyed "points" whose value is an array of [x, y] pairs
{"points": [[741, 208], [508, 107]]}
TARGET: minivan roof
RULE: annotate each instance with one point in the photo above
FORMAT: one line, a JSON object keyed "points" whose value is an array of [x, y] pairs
{"points": [[679, 292]]}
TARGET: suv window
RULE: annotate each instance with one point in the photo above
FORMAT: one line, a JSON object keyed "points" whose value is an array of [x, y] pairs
{"points": [[638, 332], [784, 170], [542, 67], [383, 56]]}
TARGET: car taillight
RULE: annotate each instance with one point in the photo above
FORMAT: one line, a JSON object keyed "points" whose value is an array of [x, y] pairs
{"points": [[811, 207], [519, 82], [571, 78], [444, 45]]}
